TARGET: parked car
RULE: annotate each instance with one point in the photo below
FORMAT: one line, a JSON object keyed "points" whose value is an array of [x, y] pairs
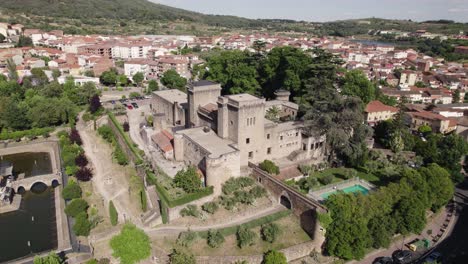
{"points": [[383, 260], [129, 107], [122, 101], [112, 102], [433, 257], [402, 256], [135, 105]]}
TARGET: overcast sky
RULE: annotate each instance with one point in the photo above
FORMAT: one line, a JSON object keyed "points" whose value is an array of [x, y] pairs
{"points": [[328, 10]]}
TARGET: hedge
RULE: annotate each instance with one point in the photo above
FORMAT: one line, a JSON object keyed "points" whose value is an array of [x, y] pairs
{"points": [[127, 140], [35, 132], [114, 216], [227, 231], [164, 216]]}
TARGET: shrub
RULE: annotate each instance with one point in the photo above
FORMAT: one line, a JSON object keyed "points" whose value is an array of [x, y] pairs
{"points": [[52, 258], [245, 237], [71, 170], [76, 207], [134, 95], [270, 167], [126, 126], [187, 238], [234, 184], [75, 137], [270, 232], [257, 192], [81, 160], [188, 180], [120, 156], [71, 191], [210, 207], [179, 256], [82, 225], [326, 180], [94, 104], [131, 245], [274, 257], [215, 238], [84, 174], [190, 210], [114, 216], [106, 132]]}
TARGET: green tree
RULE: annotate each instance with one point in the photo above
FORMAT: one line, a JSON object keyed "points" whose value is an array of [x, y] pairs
{"points": [[270, 167], [114, 216], [82, 225], [52, 258], [456, 96], [153, 86], [270, 232], [274, 257], [245, 237], [122, 80], [188, 179], [138, 78], [171, 79], [76, 207], [284, 68], [71, 191], [347, 237], [12, 73], [355, 83], [326, 112], [273, 114], [215, 238], [39, 77], [425, 129], [210, 207], [109, 77], [180, 256], [440, 185], [56, 73], [410, 215], [131, 246], [24, 41], [234, 70], [396, 143]]}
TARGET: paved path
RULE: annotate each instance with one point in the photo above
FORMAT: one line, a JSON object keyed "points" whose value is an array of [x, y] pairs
{"points": [[173, 230]]}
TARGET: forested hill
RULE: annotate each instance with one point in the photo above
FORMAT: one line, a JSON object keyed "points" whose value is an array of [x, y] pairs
{"points": [[141, 10]]}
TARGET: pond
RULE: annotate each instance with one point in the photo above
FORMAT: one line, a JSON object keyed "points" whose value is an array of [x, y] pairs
{"points": [[31, 229], [30, 163]]}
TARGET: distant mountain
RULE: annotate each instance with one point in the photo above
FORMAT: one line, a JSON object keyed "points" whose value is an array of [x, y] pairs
{"points": [[141, 10]]}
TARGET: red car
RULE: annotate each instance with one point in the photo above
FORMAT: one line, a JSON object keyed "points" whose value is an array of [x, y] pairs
{"points": [[129, 107]]}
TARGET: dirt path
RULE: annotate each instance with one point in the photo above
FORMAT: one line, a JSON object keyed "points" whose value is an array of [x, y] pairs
{"points": [[171, 230], [110, 180]]}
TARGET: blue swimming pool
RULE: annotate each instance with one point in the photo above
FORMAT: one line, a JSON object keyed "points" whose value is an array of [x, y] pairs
{"points": [[351, 189]]}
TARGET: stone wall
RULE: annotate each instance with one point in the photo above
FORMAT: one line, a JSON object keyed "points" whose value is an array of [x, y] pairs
{"points": [[292, 253]]}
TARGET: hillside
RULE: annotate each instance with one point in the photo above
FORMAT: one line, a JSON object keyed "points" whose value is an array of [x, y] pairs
{"points": [[141, 10]]}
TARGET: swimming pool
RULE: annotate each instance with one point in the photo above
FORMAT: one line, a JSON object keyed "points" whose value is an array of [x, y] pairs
{"points": [[351, 189]]}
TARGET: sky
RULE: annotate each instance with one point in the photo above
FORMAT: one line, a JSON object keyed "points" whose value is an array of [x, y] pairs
{"points": [[329, 10]]}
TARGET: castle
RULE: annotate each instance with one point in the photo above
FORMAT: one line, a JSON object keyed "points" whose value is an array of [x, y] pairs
{"points": [[222, 134]]}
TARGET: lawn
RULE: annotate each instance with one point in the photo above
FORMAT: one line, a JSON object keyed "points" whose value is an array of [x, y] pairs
{"points": [[291, 234]]}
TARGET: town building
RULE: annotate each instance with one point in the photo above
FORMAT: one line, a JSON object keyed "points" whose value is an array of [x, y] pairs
{"points": [[376, 112]]}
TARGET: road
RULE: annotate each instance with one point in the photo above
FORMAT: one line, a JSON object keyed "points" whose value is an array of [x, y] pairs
{"points": [[455, 247]]}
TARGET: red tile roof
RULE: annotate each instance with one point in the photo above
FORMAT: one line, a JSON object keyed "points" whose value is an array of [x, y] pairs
{"points": [[163, 140], [377, 106]]}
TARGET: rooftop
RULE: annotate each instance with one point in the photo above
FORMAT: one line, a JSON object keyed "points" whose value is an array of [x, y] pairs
{"points": [[172, 96], [242, 97], [204, 83], [377, 106], [208, 140]]}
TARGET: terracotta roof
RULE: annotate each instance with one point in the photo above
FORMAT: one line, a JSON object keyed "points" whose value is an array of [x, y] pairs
{"points": [[428, 115], [163, 140], [377, 106]]}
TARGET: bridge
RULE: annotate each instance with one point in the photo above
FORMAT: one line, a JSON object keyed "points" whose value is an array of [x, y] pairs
{"points": [[26, 184], [302, 206]]}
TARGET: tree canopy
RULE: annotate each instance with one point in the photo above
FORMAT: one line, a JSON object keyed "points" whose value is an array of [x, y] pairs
{"points": [[171, 79], [131, 245]]}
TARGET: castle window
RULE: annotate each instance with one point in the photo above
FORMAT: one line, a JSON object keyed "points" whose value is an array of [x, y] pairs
{"points": [[281, 137], [268, 136], [304, 146], [247, 141], [251, 155], [297, 134], [268, 151]]}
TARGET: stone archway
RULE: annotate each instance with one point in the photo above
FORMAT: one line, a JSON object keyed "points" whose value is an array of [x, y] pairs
{"points": [[55, 183], [285, 201], [20, 190]]}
